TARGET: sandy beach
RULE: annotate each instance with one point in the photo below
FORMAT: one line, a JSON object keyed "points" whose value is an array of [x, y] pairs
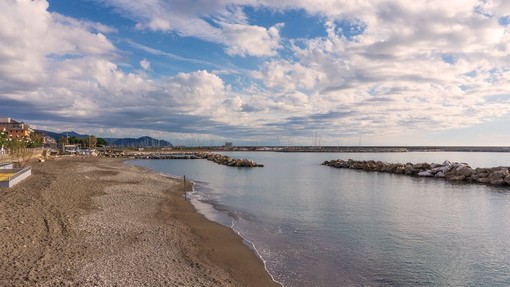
{"points": [[101, 222]]}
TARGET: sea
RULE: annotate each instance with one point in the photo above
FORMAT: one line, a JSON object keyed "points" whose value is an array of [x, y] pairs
{"points": [[314, 225]]}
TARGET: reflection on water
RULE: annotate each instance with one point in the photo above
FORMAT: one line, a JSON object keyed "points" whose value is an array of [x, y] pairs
{"points": [[320, 226]]}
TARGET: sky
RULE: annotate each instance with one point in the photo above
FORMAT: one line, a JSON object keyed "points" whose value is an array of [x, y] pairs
{"points": [[261, 72]]}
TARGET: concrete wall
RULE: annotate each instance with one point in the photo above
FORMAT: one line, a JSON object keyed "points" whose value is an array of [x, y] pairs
{"points": [[6, 165], [18, 177]]}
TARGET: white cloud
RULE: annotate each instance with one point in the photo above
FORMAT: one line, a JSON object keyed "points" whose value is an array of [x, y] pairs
{"points": [[158, 23], [426, 66], [230, 26], [72, 76], [246, 40], [281, 74], [83, 23], [33, 39], [145, 64], [194, 92], [393, 76], [56, 63]]}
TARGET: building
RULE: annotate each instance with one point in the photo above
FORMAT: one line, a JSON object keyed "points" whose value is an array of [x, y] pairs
{"points": [[14, 129]]}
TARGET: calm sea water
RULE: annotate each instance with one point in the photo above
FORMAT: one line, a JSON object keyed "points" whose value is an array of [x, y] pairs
{"points": [[318, 226]]}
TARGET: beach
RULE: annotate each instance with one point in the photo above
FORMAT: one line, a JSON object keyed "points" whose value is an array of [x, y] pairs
{"points": [[101, 222]]}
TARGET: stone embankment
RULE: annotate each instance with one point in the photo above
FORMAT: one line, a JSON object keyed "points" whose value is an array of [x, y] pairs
{"points": [[460, 172], [214, 157]]}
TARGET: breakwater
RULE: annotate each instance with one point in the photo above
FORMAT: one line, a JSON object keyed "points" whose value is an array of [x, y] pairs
{"points": [[450, 171], [214, 157], [228, 161]]}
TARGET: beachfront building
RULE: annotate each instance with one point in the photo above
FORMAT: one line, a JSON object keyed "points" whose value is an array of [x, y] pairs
{"points": [[11, 130], [14, 129]]}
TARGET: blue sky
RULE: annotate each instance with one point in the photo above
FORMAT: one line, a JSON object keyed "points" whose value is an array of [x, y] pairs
{"points": [[259, 72]]}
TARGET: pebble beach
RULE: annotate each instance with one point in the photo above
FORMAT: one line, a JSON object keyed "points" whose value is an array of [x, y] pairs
{"points": [[101, 222]]}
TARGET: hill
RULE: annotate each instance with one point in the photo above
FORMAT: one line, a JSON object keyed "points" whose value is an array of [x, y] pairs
{"points": [[138, 142], [144, 141], [57, 136]]}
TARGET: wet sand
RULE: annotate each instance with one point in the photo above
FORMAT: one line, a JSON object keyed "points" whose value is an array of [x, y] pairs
{"points": [[101, 222]]}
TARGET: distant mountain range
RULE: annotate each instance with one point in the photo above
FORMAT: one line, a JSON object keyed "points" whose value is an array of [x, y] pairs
{"points": [[139, 142], [119, 142]]}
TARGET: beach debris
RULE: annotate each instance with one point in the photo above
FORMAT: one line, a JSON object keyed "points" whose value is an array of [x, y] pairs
{"points": [[458, 172]]}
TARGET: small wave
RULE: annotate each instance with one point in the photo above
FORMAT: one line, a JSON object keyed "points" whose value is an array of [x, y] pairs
{"points": [[211, 209], [254, 248]]}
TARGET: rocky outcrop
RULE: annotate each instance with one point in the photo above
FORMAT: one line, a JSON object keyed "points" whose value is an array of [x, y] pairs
{"points": [[460, 172]]}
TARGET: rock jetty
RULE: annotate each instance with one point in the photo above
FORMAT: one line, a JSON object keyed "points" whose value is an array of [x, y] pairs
{"points": [[228, 161], [152, 155], [214, 157], [459, 172]]}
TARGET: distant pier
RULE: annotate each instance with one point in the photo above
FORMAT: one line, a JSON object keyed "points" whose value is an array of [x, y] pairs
{"points": [[380, 149]]}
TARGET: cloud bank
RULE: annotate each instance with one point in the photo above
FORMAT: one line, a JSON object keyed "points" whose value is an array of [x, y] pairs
{"points": [[382, 70]]}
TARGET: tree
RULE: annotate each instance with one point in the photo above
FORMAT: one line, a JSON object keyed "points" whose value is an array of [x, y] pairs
{"points": [[69, 140], [74, 140], [63, 140], [36, 140], [3, 138], [18, 150], [3, 142], [91, 141], [101, 142]]}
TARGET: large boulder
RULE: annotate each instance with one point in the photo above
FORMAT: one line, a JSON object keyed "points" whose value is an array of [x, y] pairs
{"points": [[417, 168], [379, 165], [446, 167], [408, 169], [507, 179], [425, 173], [500, 173], [435, 165], [399, 169], [385, 167], [440, 174], [459, 172], [422, 166], [499, 181], [483, 180], [340, 164], [480, 173]]}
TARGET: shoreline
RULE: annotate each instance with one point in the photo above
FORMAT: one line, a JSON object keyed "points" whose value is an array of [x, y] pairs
{"points": [[191, 188], [96, 221], [216, 215]]}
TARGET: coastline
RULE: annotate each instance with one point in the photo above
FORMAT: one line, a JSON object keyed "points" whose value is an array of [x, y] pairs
{"points": [[97, 221]]}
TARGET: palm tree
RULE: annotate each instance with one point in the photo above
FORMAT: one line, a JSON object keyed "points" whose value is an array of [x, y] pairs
{"points": [[92, 142]]}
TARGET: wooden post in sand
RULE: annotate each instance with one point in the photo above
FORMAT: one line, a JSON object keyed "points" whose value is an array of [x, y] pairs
{"points": [[185, 195]]}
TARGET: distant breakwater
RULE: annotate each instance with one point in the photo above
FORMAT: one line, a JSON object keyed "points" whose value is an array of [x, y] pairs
{"points": [[457, 172], [214, 157], [228, 161]]}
